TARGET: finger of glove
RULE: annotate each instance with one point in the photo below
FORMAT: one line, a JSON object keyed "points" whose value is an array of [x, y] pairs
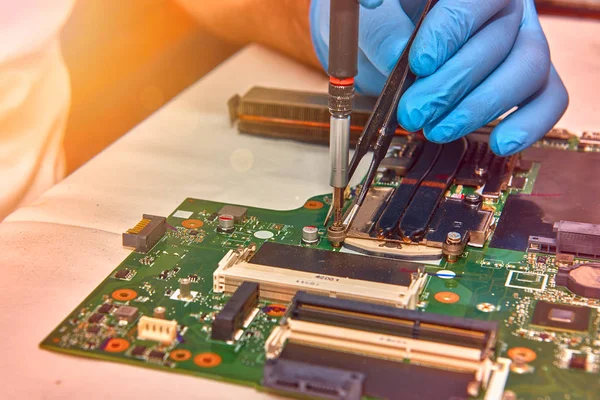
{"points": [[370, 4], [431, 97], [413, 8], [369, 80], [447, 27], [533, 119], [524, 72], [383, 34]]}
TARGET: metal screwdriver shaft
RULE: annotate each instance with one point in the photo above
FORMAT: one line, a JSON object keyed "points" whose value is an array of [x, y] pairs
{"points": [[343, 51]]}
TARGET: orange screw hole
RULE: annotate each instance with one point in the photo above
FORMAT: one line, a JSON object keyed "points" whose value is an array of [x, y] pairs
{"points": [[447, 297], [313, 205], [207, 360], [116, 345], [124, 294], [192, 223], [275, 310], [522, 354], [180, 355]]}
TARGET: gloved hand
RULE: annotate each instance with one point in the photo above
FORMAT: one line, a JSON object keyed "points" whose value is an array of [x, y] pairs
{"points": [[474, 59]]}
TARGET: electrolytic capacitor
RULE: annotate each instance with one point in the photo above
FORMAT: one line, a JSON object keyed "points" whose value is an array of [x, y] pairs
{"points": [[226, 223], [310, 234]]}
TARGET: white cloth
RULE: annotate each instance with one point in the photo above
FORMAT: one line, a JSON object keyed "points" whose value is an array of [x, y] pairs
{"points": [[34, 99]]}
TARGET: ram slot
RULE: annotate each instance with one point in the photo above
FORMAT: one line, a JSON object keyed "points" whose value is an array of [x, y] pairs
{"points": [[282, 271], [382, 332]]}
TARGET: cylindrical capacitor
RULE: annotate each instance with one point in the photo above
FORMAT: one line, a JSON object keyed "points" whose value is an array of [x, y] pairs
{"points": [[310, 234], [159, 312], [226, 223], [185, 288]]}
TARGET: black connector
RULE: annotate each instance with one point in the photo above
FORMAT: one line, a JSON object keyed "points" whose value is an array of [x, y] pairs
{"points": [[146, 233], [232, 316], [412, 324], [313, 380]]}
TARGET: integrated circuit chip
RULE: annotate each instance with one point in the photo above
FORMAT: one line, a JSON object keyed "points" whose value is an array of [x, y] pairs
{"points": [[238, 213], [123, 274], [105, 308], [95, 318], [561, 317], [157, 354], [126, 313], [138, 351]]}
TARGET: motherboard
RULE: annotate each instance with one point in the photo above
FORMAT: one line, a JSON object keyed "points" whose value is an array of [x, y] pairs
{"points": [[464, 275]]}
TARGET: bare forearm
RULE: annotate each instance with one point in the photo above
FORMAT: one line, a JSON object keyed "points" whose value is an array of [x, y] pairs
{"points": [[280, 24]]}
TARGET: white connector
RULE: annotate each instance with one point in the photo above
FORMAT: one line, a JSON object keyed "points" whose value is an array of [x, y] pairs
{"points": [[159, 330]]}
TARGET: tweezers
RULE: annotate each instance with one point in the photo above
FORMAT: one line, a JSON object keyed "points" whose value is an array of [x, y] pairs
{"points": [[381, 126]]}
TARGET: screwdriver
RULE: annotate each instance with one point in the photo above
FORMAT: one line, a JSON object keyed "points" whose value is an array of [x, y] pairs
{"points": [[343, 67]]}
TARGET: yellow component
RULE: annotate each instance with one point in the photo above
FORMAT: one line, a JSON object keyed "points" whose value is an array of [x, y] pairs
{"points": [[138, 228], [458, 189]]}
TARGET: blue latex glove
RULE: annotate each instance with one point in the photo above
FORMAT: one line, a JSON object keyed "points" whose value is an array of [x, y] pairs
{"points": [[474, 59]]}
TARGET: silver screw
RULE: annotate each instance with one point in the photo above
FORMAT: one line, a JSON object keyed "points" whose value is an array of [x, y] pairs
{"points": [[473, 197], [453, 238]]}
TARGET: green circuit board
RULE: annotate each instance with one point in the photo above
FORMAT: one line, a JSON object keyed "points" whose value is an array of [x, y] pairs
{"points": [[484, 284]]}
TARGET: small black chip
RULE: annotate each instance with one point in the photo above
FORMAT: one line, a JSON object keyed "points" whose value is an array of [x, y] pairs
{"points": [[518, 182], [578, 361], [122, 274], [93, 329], [561, 316], [105, 308], [95, 318], [542, 260], [389, 175], [157, 354], [138, 351], [193, 232]]}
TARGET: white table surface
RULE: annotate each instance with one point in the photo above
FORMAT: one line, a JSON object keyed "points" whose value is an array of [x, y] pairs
{"points": [[56, 250]]}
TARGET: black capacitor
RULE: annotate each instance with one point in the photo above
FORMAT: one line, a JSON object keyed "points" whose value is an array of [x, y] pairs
{"points": [[343, 39]]}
